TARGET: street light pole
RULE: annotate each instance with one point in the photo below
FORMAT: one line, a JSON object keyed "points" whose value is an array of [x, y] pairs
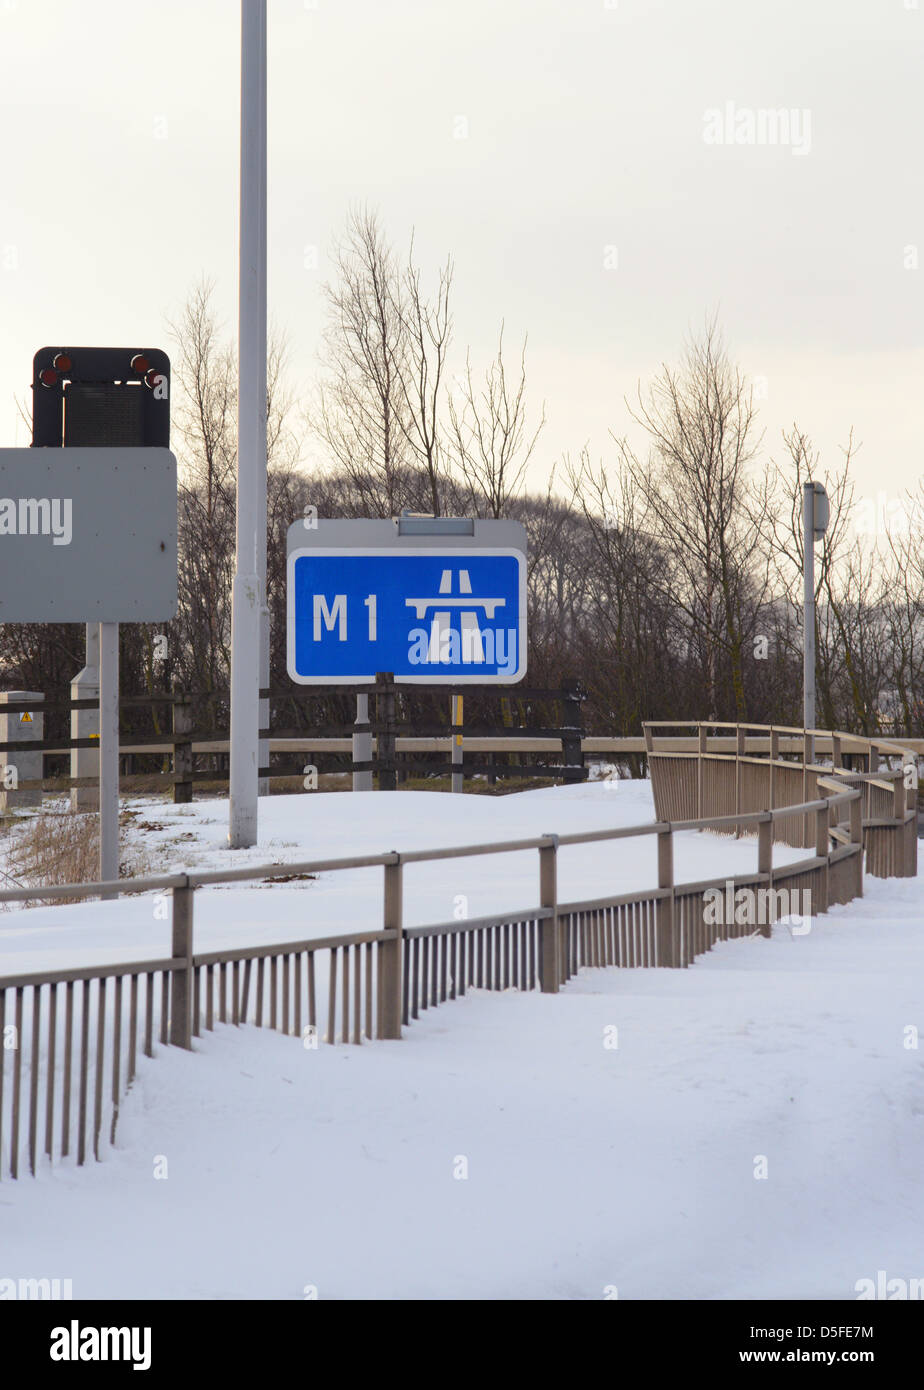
{"points": [[815, 516], [808, 580], [248, 605]]}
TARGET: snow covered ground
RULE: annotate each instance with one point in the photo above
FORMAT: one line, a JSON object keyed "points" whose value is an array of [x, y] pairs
{"points": [[504, 1148], [318, 826]]}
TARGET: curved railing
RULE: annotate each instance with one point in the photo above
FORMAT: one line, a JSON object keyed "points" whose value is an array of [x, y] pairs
{"points": [[726, 769], [73, 1036]]}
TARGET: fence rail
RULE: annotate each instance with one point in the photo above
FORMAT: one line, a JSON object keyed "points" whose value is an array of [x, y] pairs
{"points": [[71, 1037], [555, 727], [403, 747], [705, 781]]}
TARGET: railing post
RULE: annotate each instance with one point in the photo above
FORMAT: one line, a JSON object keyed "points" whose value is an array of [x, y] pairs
{"points": [[182, 750], [385, 730], [774, 759], [181, 977], [739, 754], [700, 789], [668, 951], [765, 859], [822, 850], [550, 959], [898, 811], [856, 837], [392, 950], [898, 798], [807, 753]]}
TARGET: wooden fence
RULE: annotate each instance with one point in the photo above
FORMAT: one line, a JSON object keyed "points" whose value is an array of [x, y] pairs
{"points": [[703, 781], [72, 1037], [402, 744]]}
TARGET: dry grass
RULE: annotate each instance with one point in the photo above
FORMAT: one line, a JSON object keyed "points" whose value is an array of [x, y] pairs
{"points": [[55, 848]]}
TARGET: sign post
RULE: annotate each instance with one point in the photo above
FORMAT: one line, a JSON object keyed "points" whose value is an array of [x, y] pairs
{"points": [[456, 720], [362, 746], [109, 754], [91, 533]]}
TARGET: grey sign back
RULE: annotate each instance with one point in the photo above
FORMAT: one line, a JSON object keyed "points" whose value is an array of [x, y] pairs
{"points": [[87, 535]]}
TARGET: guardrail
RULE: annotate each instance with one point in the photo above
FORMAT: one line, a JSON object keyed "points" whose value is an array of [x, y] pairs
{"points": [[707, 781], [73, 1048]]}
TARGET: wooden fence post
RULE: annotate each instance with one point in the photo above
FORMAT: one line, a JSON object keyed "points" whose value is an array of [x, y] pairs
{"points": [[822, 850], [181, 978], [739, 754], [856, 838], [182, 749], [385, 730], [392, 963], [572, 730], [668, 948], [765, 861], [550, 959], [700, 790], [898, 811]]}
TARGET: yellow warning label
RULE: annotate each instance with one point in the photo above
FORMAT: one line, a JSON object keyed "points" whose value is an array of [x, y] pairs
{"points": [[25, 717]]}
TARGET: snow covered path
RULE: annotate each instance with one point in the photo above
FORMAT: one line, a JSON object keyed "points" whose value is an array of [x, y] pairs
{"points": [[588, 1167]]}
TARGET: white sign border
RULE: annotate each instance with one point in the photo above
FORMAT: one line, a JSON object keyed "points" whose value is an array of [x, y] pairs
{"points": [[457, 552]]}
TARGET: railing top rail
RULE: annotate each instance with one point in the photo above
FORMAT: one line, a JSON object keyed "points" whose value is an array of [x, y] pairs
{"points": [[75, 974], [196, 878], [93, 890], [873, 740]]}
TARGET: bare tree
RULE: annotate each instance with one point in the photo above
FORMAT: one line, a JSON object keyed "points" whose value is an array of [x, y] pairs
{"points": [[492, 443], [361, 416], [205, 423], [428, 332], [701, 425]]}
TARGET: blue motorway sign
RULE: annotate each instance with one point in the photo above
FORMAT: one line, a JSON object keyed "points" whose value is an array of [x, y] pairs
{"points": [[429, 614]]}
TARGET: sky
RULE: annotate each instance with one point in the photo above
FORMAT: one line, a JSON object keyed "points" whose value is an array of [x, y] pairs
{"points": [[605, 175]]}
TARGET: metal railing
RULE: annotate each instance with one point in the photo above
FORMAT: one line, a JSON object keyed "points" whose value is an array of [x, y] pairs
{"points": [[71, 1037]]}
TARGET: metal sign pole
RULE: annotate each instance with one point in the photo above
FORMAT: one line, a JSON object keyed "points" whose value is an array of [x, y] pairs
{"points": [[247, 598], [808, 575], [85, 724], [109, 753]]}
